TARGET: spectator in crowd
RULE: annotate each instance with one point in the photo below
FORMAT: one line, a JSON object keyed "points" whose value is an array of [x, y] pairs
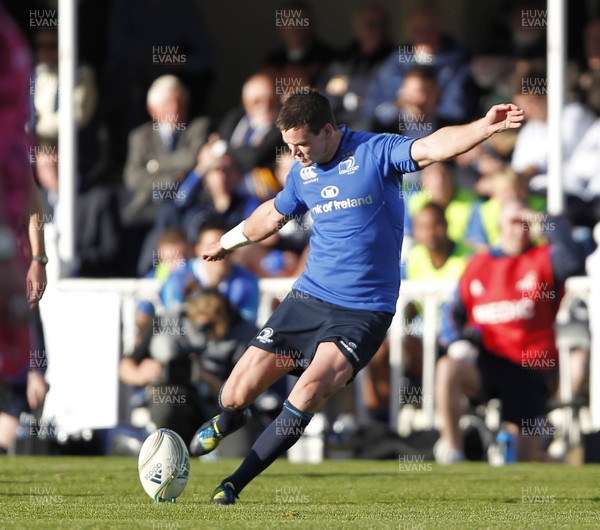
{"points": [[98, 238], [474, 168], [530, 156], [483, 230], [417, 102], [149, 39], [589, 79], [438, 185], [284, 253], [44, 122], [251, 137], [261, 183], [518, 35], [435, 256], [428, 45], [171, 253], [499, 330], [302, 56], [219, 191], [212, 188], [250, 132], [346, 79], [160, 155], [237, 284], [413, 113], [46, 101], [583, 170], [185, 358]]}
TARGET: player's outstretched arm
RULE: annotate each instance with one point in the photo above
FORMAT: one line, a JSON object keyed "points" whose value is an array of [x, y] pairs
{"points": [[449, 142], [263, 222]]}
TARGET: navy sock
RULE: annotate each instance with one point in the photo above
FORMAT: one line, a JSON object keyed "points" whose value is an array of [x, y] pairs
{"points": [[275, 440], [230, 420]]}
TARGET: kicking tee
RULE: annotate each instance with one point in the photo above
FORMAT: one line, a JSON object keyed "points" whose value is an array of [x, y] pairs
{"points": [[357, 206]]}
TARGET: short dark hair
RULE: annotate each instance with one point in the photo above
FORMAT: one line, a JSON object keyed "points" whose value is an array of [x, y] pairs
{"points": [[311, 109], [213, 222], [437, 208]]}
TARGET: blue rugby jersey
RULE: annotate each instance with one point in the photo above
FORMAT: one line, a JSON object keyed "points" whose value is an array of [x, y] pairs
{"points": [[358, 211]]}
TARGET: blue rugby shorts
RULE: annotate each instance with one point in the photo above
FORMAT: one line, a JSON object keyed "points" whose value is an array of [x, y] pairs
{"points": [[302, 322]]}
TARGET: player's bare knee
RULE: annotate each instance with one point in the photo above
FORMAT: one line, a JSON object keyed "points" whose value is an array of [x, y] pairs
{"points": [[234, 397], [309, 394], [241, 400]]}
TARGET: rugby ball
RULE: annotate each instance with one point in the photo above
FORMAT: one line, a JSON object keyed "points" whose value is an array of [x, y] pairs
{"points": [[164, 465]]}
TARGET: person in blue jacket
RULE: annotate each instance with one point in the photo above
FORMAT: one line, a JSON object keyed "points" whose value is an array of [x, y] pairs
{"points": [[429, 46]]}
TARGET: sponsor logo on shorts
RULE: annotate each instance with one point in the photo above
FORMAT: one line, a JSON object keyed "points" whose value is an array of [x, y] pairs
{"points": [[350, 346], [329, 192], [265, 336]]}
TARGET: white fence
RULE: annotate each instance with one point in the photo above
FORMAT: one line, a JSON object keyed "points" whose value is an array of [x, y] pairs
{"points": [[89, 323]]}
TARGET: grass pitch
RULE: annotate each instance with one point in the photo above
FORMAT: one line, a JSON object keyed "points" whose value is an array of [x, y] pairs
{"points": [[104, 492]]}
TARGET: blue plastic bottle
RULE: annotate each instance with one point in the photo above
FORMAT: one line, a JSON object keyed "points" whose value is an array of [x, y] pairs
{"points": [[507, 447]]}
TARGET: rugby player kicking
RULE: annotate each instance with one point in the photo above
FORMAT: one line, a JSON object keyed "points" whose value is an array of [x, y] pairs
{"points": [[336, 316]]}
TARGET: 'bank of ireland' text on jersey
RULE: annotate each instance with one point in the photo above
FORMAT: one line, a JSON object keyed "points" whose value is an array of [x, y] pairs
{"points": [[357, 206]]}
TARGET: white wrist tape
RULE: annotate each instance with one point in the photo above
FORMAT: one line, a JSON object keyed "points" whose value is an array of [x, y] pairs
{"points": [[235, 238]]}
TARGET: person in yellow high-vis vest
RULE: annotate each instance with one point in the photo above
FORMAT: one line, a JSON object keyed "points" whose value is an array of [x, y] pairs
{"points": [[437, 185], [483, 230], [434, 257]]}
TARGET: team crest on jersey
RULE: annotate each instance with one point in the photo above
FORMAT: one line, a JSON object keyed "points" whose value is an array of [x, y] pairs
{"points": [[330, 192], [348, 166], [308, 174], [476, 288], [265, 335]]}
